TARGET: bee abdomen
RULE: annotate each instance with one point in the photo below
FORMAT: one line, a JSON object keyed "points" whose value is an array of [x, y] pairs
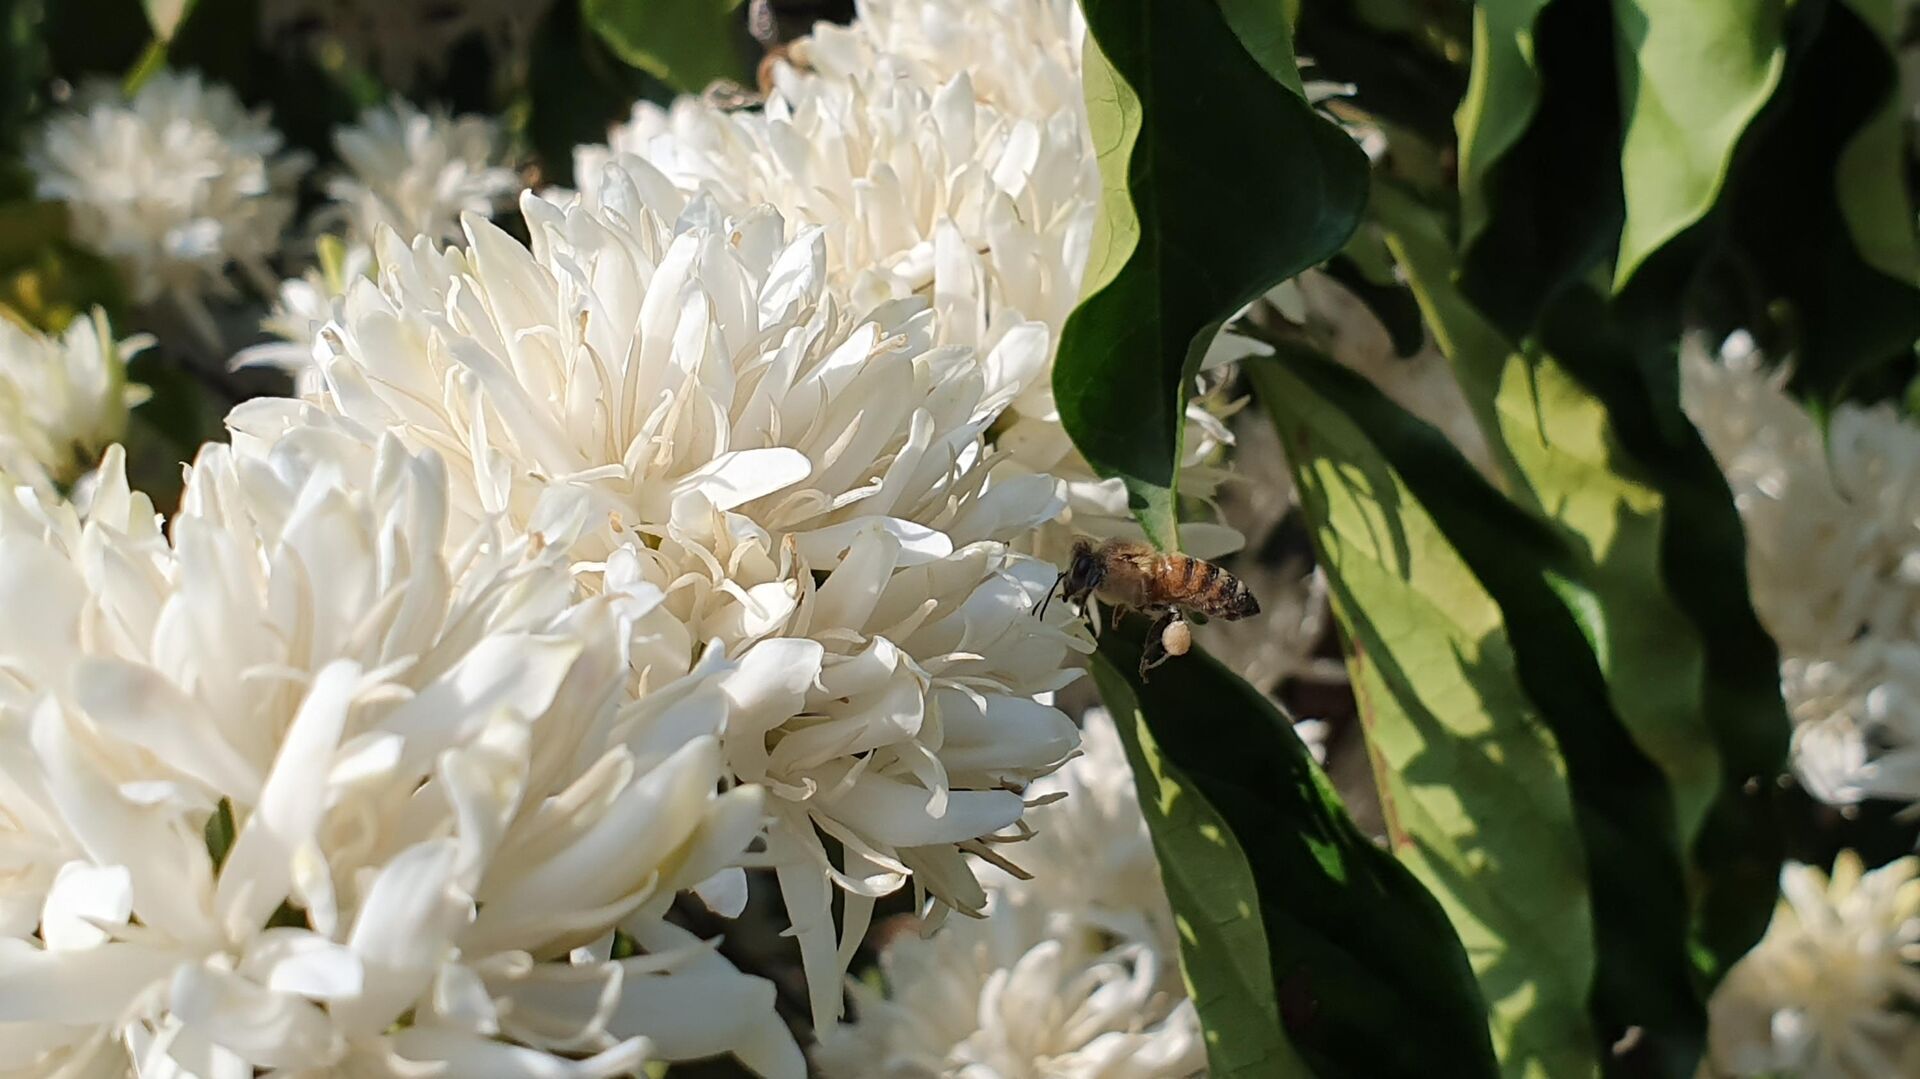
{"points": [[1225, 596]]}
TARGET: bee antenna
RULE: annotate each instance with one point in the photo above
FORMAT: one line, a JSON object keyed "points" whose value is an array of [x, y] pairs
{"points": [[1041, 611]]}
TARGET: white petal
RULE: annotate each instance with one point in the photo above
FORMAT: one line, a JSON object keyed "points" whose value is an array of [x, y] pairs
{"points": [[896, 814], [135, 702], [258, 872], [403, 933], [81, 895], [823, 547], [724, 893], [91, 985], [267, 1029], [734, 479], [460, 1053]]}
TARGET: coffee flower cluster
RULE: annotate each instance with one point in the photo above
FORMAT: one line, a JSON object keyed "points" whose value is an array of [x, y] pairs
{"points": [[690, 535]]}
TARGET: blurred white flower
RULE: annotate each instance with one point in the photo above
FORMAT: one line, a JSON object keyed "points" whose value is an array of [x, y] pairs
{"points": [[173, 186], [63, 398], [1833, 558], [1001, 998], [406, 170], [686, 407], [301, 786], [1071, 973], [304, 304], [1091, 859], [404, 42], [1829, 992], [417, 172]]}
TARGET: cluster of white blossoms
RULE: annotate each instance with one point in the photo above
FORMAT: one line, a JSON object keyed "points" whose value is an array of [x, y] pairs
{"points": [[1833, 556], [173, 186], [1073, 972], [63, 398], [689, 536], [404, 170], [416, 172], [315, 783], [943, 148], [683, 405], [1832, 521], [1831, 991]]}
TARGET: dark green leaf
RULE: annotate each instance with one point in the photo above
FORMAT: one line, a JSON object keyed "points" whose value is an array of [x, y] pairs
{"points": [[685, 43], [28, 227], [1392, 58], [1820, 216], [1472, 787], [1540, 195], [1566, 643], [1198, 218], [576, 89], [1223, 938], [1284, 907], [1591, 437]]}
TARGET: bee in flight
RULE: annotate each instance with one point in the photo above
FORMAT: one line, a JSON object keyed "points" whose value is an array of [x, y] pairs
{"points": [[1134, 576]]}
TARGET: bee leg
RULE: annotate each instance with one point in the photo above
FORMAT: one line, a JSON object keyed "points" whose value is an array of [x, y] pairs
{"points": [[1154, 652]]}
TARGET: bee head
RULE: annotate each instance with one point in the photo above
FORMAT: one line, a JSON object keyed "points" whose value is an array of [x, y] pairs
{"points": [[1078, 580]]}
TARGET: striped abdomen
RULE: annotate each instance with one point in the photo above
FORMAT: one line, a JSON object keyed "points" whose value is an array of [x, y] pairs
{"points": [[1202, 586]]}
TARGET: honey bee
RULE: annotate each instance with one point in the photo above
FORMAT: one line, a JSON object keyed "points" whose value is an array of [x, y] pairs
{"points": [[1134, 576]]}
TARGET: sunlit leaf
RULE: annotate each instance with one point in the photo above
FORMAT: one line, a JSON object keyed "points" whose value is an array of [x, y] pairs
{"points": [[685, 43]]}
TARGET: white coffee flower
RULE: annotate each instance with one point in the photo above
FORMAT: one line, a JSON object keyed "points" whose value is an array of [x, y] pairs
{"points": [[1829, 992], [416, 172], [1023, 55], [1001, 998], [921, 190], [935, 174], [63, 398], [1091, 859], [301, 786], [1833, 557], [1071, 972], [173, 186], [405, 42], [687, 407]]}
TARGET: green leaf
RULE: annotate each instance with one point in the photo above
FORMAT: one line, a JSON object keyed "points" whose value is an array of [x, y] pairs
{"points": [[1503, 93], [1285, 909], [685, 43], [1820, 216], [1593, 442], [1641, 757], [1199, 217], [1693, 76], [1540, 129], [1366, 270], [1223, 939], [1473, 788], [1396, 55]]}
